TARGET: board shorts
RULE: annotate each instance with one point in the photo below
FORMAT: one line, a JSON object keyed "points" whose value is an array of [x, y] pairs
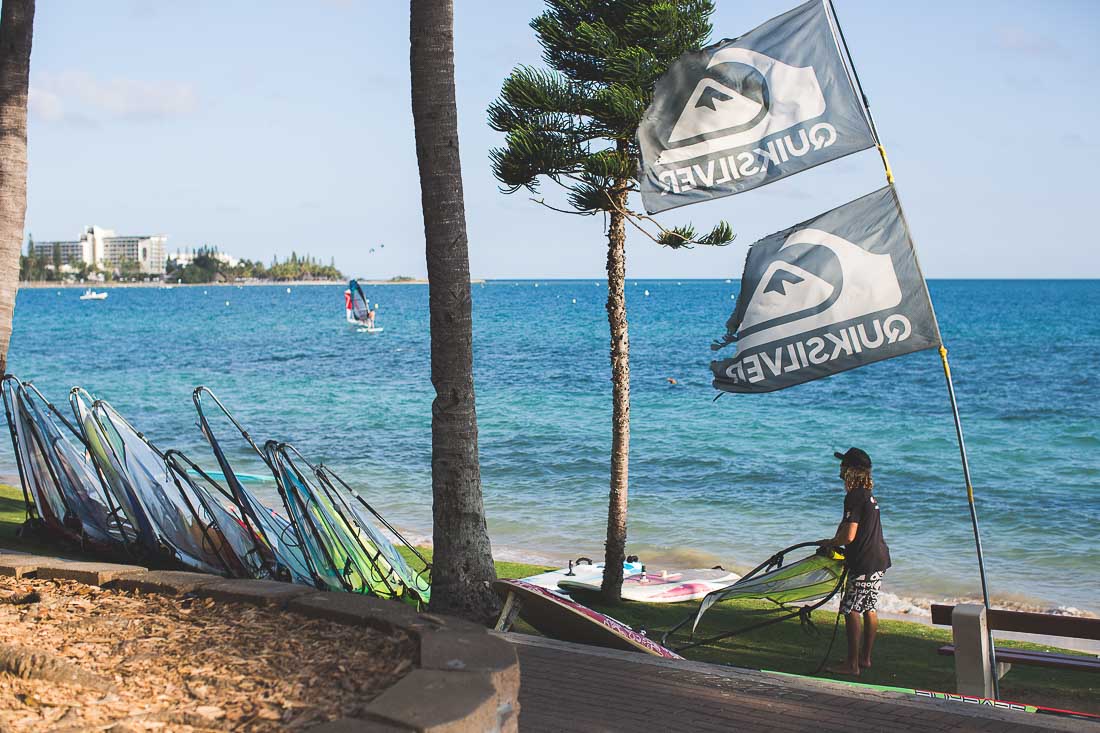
{"points": [[861, 593]]}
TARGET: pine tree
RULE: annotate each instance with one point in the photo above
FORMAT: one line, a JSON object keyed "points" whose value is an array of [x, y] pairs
{"points": [[575, 124]]}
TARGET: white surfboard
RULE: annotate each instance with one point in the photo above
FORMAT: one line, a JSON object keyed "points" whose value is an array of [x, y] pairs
{"points": [[664, 586], [585, 571], [370, 330]]}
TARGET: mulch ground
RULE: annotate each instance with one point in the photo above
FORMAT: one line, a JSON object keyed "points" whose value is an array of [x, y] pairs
{"points": [[79, 658]]}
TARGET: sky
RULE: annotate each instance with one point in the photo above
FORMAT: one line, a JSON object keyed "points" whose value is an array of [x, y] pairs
{"points": [[266, 128]]}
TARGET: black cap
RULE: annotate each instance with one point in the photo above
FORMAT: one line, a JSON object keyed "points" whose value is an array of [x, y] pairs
{"points": [[855, 458]]}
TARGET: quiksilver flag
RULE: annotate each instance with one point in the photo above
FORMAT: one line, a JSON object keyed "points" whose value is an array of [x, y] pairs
{"points": [[833, 293], [749, 111]]}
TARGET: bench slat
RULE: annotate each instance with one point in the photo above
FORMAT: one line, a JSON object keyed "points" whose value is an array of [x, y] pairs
{"points": [[1025, 622], [1038, 659]]}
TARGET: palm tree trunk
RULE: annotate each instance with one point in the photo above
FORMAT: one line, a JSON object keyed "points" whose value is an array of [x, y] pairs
{"points": [[462, 568], [16, 25], [615, 546]]}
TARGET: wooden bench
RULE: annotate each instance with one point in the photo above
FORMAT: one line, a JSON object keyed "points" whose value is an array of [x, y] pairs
{"points": [[1021, 622]]}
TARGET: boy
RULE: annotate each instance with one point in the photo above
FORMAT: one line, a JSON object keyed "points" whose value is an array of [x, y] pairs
{"points": [[867, 559]]}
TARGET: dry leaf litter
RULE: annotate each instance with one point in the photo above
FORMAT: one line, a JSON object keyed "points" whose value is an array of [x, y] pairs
{"points": [[141, 662]]}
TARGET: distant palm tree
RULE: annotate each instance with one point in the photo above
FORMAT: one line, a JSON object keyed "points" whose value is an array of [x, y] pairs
{"points": [[462, 568], [16, 26]]}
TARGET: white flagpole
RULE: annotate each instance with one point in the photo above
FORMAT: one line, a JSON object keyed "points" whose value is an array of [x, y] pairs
{"points": [[943, 354]]}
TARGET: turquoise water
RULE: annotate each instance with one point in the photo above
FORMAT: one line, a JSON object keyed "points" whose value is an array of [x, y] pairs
{"points": [[728, 481]]}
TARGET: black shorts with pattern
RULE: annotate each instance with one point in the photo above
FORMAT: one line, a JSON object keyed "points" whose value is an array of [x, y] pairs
{"points": [[861, 593]]}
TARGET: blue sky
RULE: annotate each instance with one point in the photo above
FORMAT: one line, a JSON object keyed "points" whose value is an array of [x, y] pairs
{"points": [[270, 127]]}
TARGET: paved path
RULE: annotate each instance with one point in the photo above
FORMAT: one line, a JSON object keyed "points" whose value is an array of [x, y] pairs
{"points": [[605, 690]]}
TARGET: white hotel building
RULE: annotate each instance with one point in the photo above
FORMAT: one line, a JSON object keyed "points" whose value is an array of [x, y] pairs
{"points": [[106, 250]]}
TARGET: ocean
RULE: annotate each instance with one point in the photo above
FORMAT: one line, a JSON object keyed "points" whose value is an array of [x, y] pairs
{"points": [[711, 481]]}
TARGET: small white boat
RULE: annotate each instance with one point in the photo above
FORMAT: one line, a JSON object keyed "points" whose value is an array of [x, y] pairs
{"points": [[90, 294]]}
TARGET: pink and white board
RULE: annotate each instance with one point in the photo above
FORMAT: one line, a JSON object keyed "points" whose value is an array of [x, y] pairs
{"points": [[661, 587], [561, 618]]}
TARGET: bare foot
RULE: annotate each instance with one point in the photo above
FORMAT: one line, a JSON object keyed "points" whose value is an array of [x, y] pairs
{"points": [[865, 664], [843, 669]]}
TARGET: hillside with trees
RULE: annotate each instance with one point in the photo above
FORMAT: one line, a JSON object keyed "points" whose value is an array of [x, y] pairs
{"points": [[209, 266]]}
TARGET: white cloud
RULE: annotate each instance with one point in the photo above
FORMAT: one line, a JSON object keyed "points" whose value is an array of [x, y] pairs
{"points": [[79, 97]]}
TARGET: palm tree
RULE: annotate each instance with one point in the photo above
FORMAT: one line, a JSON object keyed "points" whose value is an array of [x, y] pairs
{"points": [[575, 125], [462, 568], [16, 26]]}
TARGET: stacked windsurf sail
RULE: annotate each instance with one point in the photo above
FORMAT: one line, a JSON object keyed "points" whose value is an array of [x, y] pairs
{"points": [[348, 553], [65, 494], [97, 483]]}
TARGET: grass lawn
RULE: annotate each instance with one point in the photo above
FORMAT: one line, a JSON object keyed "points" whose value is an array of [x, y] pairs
{"points": [[905, 652]]}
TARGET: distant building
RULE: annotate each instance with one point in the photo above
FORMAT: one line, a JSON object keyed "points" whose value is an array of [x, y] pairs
{"points": [[106, 250]]}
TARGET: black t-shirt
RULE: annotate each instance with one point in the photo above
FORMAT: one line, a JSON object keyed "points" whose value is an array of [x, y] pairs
{"points": [[868, 552]]}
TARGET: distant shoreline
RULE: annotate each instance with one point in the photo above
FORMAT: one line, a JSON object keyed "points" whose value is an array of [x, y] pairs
{"points": [[46, 285]]}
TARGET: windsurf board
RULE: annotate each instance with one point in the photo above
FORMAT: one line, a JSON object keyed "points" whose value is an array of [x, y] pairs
{"points": [[661, 586], [562, 618]]}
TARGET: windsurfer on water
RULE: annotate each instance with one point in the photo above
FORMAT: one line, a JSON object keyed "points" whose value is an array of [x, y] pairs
{"points": [[350, 315]]}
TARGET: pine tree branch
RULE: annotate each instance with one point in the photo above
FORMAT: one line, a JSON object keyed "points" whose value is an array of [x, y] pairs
{"points": [[542, 202]]}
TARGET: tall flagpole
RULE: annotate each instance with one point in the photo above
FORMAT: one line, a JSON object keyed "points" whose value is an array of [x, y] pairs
{"points": [[858, 87], [973, 510]]}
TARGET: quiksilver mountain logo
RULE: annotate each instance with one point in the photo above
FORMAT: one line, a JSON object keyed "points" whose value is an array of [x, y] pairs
{"points": [[745, 97], [816, 281], [833, 293], [750, 111]]}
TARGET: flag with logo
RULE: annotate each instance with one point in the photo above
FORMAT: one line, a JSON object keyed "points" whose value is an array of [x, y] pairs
{"points": [[830, 294], [745, 112]]}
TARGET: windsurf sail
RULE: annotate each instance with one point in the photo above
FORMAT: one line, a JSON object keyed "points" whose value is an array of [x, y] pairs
{"points": [[97, 443], [46, 505], [812, 579], [358, 305], [285, 556], [243, 552], [173, 508], [349, 553], [64, 492], [418, 582]]}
